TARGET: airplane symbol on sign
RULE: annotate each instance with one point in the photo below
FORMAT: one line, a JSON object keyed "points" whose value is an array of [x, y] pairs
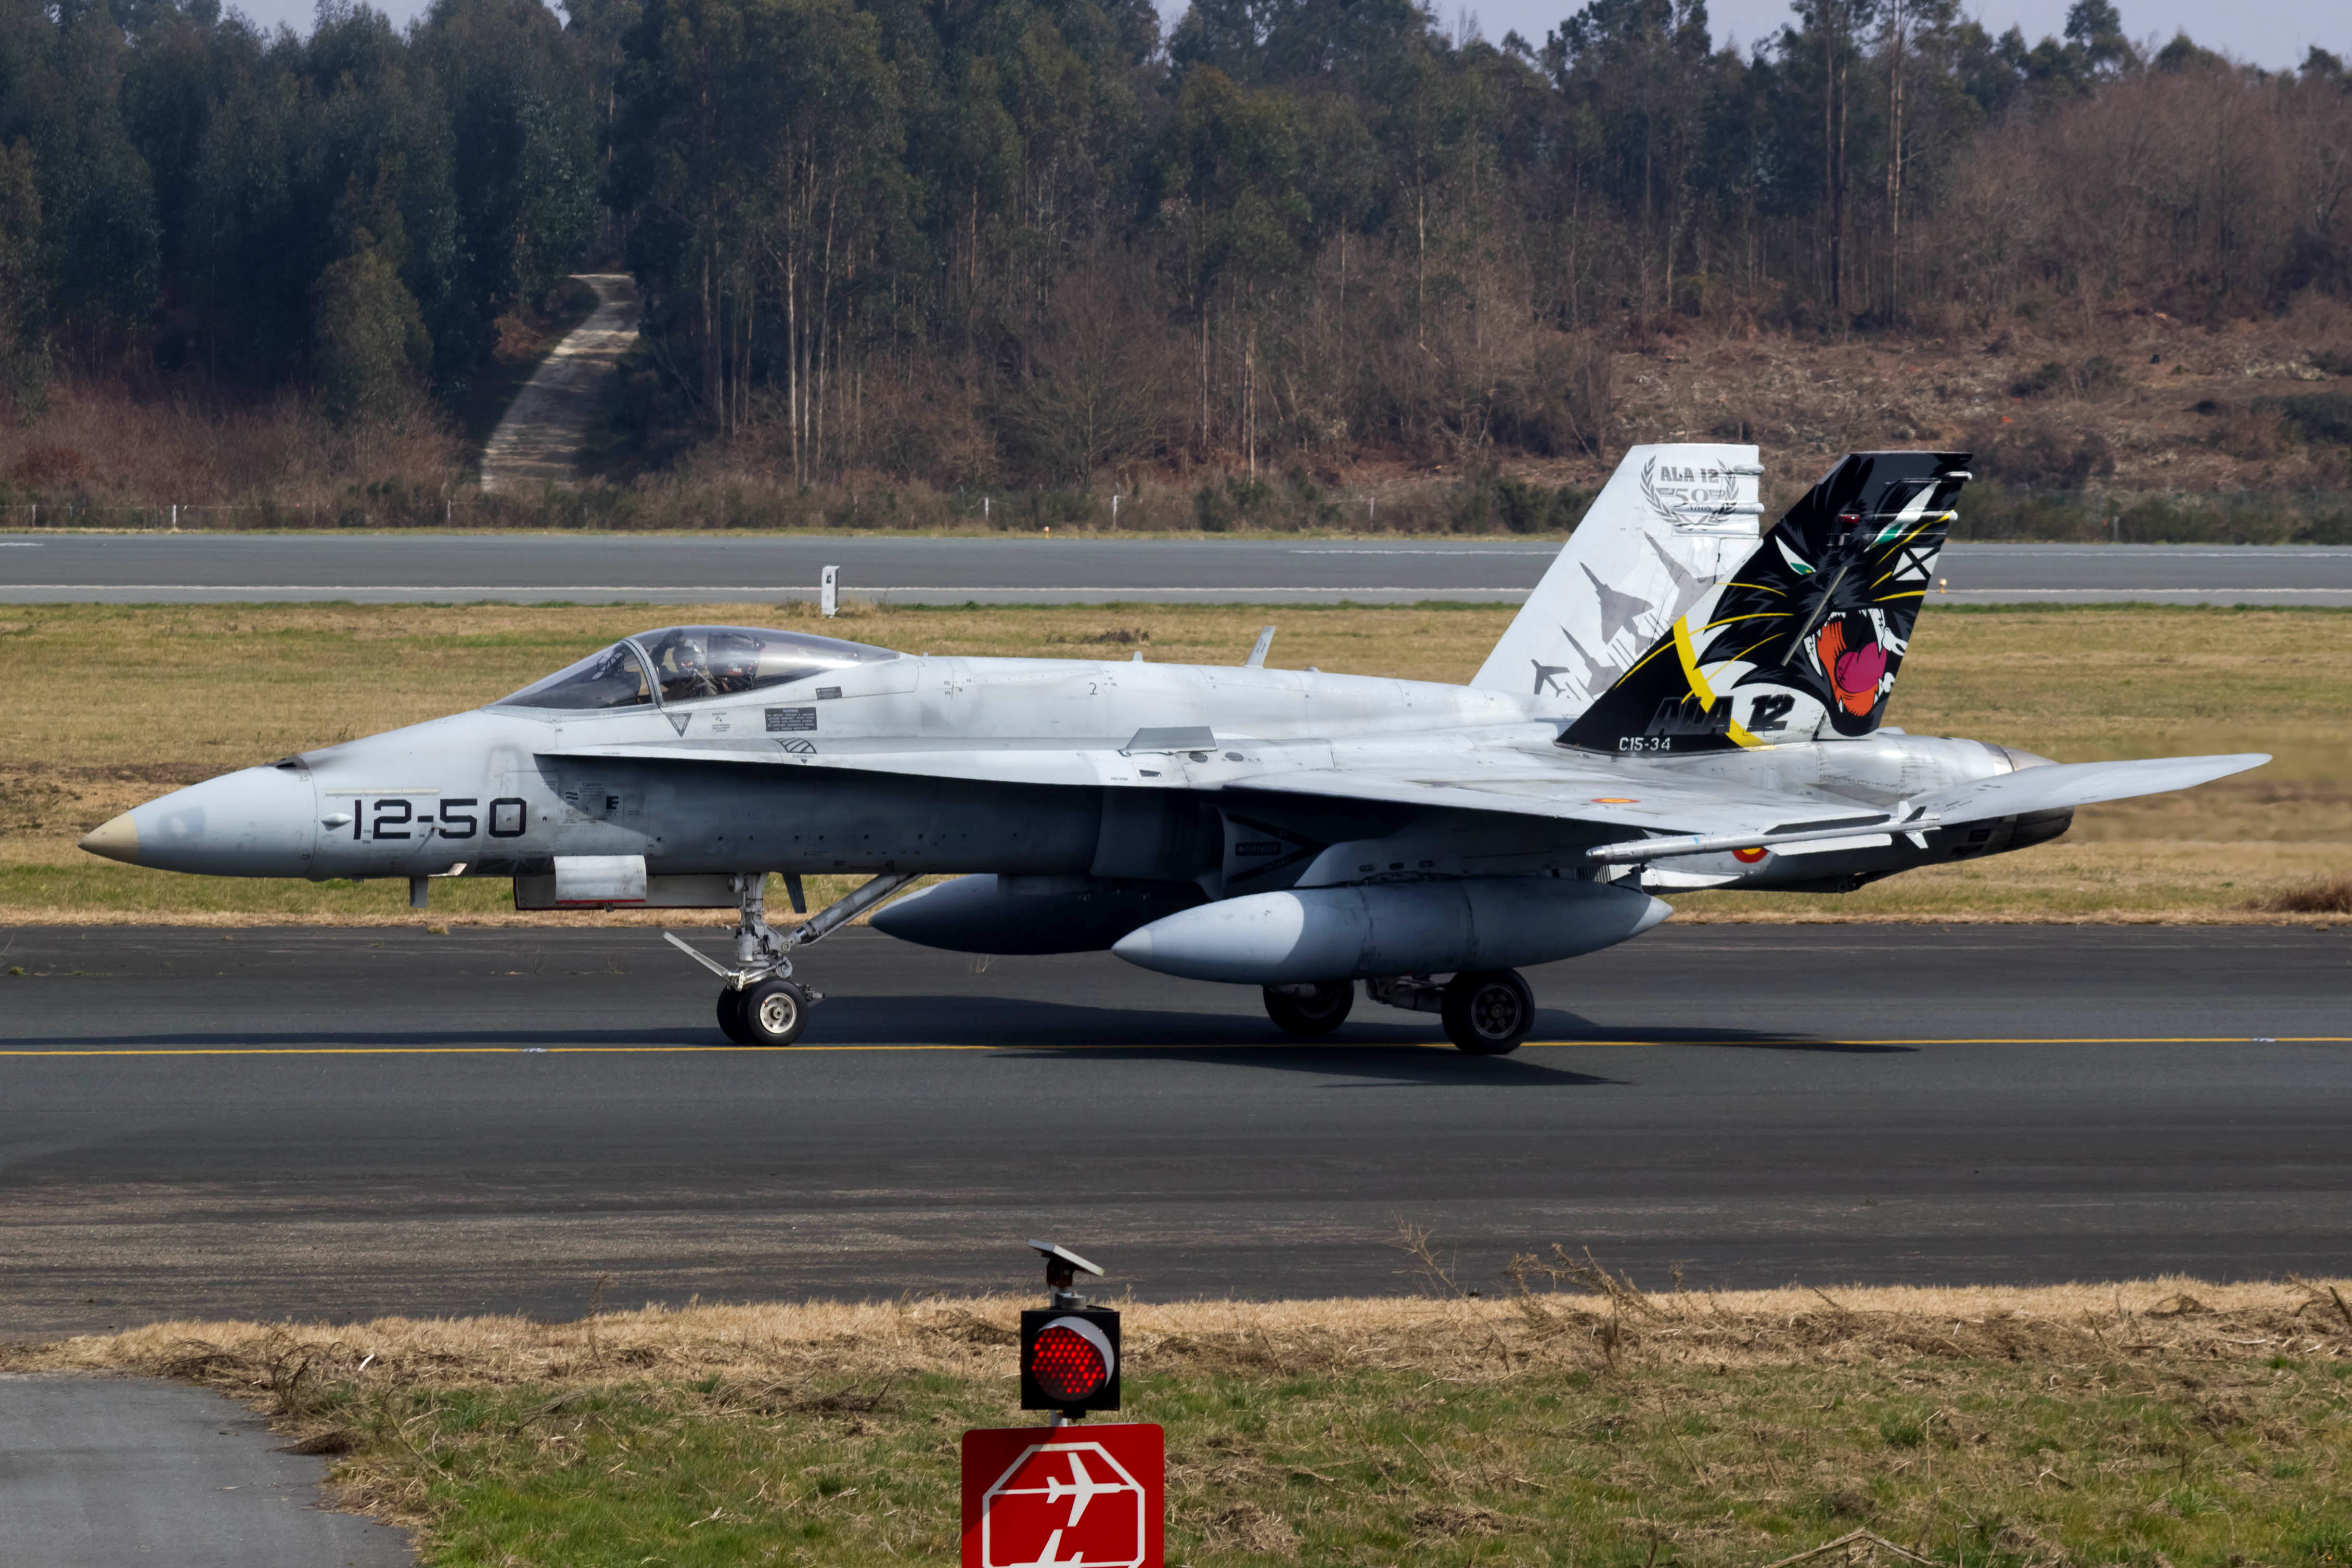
{"points": [[1080, 1486], [1102, 1512]]}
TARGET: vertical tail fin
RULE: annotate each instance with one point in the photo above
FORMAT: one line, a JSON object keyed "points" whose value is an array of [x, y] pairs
{"points": [[1804, 641], [1670, 523]]}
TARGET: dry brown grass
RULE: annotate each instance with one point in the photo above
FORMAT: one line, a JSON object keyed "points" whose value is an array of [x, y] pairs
{"points": [[2326, 896], [1553, 1322]]}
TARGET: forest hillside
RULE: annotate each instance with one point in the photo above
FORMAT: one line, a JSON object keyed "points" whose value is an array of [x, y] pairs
{"points": [[919, 264]]}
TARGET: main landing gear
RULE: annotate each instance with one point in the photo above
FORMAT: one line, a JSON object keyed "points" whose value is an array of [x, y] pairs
{"points": [[762, 1004], [1310, 1009], [1486, 1012]]}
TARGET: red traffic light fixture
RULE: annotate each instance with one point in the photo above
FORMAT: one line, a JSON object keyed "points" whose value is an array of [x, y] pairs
{"points": [[1069, 1351]]}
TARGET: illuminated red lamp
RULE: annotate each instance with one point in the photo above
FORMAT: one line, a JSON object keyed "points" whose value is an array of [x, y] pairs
{"points": [[1069, 1360]]}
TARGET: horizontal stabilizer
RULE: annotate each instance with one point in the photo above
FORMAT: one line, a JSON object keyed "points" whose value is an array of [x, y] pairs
{"points": [[2063, 785]]}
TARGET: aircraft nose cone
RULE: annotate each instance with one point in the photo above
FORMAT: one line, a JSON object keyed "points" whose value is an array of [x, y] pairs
{"points": [[116, 838], [258, 822]]}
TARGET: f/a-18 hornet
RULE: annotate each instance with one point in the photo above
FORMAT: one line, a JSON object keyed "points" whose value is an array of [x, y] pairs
{"points": [[1686, 701]]}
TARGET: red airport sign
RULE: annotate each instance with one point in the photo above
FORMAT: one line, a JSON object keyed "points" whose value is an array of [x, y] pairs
{"points": [[1065, 1497]]}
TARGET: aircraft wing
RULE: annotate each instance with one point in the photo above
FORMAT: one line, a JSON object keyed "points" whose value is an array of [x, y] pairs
{"points": [[2065, 785], [1709, 815], [1459, 773], [1602, 795]]}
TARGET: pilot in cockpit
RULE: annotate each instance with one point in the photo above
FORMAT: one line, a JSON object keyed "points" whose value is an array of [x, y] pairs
{"points": [[734, 663], [689, 674]]}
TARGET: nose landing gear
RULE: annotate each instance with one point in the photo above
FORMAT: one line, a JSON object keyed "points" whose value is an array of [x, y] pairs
{"points": [[762, 1004], [770, 1012]]}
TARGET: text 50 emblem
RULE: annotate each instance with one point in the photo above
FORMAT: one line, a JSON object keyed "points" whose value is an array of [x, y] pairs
{"points": [[411, 817]]}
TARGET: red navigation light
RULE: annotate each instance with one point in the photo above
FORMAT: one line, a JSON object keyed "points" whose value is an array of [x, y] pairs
{"points": [[1065, 1366], [1069, 1360]]}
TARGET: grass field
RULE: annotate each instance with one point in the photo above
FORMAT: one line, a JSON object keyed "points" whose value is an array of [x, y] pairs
{"points": [[117, 704], [2166, 1424]]}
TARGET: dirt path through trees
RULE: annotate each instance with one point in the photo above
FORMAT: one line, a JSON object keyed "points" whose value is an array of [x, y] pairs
{"points": [[538, 440]]}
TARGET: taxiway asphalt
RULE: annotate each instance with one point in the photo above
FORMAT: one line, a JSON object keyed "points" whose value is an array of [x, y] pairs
{"points": [[100, 1472], [40, 568], [339, 1123]]}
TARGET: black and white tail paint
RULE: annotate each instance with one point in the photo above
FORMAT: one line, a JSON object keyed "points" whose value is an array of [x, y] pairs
{"points": [[1804, 641]]}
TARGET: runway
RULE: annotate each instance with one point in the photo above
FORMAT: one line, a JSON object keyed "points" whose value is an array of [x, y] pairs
{"points": [[336, 1123], [184, 568]]}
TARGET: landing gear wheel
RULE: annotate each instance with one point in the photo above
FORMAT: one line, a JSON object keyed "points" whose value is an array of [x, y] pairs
{"points": [[730, 1016], [774, 1011], [1488, 1012], [1317, 1013]]}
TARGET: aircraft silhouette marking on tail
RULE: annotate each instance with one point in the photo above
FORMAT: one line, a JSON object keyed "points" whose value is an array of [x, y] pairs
{"points": [[1671, 520], [1688, 584], [1599, 674], [1618, 610]]}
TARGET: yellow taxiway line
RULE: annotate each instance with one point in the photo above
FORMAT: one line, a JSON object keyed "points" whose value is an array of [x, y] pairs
{"points": [[1365, 1046]]}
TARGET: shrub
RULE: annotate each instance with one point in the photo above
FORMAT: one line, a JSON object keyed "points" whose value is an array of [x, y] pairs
{"points": [[2042, 456], [2319, 416], [2325, 896], [2042, 379], [368, 338]]}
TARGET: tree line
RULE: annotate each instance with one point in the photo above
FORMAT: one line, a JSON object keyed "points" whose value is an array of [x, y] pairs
{"points": [[1040, 240]]}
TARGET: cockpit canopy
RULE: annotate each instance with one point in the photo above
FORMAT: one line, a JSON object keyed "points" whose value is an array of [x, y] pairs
{"points": [[689, 663]]}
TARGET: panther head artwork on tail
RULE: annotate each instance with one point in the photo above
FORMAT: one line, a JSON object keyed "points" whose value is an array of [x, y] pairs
{"points": [[1804, 641]]}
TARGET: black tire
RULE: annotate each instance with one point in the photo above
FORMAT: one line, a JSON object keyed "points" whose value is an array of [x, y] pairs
{"points": [[1319, 1013], [730, 1016], [774, 1012], [1488, 1012]]}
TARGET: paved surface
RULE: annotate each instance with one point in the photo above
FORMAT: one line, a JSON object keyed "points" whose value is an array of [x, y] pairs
{"points": [[105, 1472], [538, 442], [399, 568], [338, 1123]]}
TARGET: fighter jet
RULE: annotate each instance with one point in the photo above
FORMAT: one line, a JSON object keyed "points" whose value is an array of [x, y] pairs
{"points": [[1289, 829]]}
